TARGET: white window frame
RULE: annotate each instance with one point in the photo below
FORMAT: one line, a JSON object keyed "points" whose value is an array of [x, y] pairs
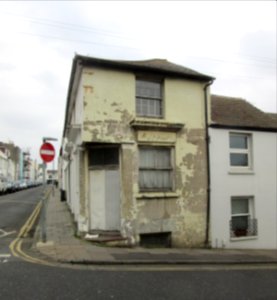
{"points": [[169, 169], [250, 215], [247, 151], [149, 100]]}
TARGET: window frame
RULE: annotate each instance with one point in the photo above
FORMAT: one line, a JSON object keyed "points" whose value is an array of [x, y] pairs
{"points": [[149, 99], [244, 151], [170, 169], [251, 230]]}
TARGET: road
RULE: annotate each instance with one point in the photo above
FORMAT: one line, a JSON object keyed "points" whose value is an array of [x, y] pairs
{"points": [[21, 280], [15, 209]]}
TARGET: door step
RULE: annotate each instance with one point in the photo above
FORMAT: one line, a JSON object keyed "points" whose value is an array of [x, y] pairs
{"points": [[113, 238]]}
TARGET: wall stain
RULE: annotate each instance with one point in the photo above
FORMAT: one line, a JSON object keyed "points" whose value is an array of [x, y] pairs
{"points": [[88, 89], [183, 215]]}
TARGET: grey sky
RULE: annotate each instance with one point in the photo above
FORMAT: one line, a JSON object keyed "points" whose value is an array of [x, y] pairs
{"points": [[234, 41]]}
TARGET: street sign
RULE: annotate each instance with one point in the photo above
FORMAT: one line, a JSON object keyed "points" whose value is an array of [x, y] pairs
{"points": [[47, 152]]}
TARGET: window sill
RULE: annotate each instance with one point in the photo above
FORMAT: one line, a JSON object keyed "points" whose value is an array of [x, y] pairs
{"points": [[157, 195], [156, 125], [241, 172], [243, 238]]}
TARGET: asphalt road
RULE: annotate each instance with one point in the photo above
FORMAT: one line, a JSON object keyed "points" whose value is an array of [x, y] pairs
{"points": [[15, 209], [25, 281], [20, 280]]}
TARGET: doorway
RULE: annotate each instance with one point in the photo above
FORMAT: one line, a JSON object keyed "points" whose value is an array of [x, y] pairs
{"points": [[104, 187]]}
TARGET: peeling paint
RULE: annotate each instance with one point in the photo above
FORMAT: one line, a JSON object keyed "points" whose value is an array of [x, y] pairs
{"points": [[109, 107], [88, 89], [128, 204], [109, 130]]}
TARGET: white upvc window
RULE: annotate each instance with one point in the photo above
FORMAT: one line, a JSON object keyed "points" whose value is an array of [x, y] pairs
{"points": [[243, 222], [240, 150]]}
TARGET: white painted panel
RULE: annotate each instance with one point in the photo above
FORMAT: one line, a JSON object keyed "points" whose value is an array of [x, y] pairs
{"points": [[112, 191], [97, 199]]}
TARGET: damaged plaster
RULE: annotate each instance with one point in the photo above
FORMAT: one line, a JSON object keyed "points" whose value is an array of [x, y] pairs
{"points": [[109, 109]]}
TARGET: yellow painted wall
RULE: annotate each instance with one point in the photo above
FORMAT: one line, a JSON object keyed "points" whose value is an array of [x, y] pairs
{"points": [[109, 106], [184, 102]]}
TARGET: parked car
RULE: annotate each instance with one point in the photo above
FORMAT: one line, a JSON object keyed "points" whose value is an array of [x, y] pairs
{"points": [[10, 187], [22, 185], [16, 185], [3, 186]]}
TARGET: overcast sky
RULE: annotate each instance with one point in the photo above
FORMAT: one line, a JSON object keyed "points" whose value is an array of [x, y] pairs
{"points": [[233, 41]]}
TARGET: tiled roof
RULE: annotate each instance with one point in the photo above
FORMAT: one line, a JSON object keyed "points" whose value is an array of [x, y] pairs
{"points": [[236, 112], [273, 116], [164, 65], [155, 65]]}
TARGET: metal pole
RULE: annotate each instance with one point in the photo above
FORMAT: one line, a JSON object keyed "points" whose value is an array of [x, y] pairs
{"points": [[53, 188], [44, 198], [43, 219]]}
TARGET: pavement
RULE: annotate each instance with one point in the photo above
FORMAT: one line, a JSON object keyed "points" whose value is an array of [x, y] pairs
{"points": [[63, 246]]}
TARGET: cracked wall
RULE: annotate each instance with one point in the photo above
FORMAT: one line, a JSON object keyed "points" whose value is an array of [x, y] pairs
{"points": [[109, 106]]}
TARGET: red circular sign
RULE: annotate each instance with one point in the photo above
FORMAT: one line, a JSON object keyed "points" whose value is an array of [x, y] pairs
{"points": [[47, 152]]}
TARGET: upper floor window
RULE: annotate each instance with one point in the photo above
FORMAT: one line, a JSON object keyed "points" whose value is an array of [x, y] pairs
{"points": [[148, 98], [240, 150]]}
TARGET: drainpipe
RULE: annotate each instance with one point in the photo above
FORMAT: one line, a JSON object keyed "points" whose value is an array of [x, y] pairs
{"points": [[208, 161]]}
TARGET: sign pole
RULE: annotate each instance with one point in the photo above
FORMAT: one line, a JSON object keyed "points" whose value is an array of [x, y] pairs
{"points": [[47, 153], [43, 219]]}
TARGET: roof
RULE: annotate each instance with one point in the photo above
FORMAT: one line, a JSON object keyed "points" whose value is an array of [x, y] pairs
{"points": [[229, 112], [273, 116], [155, 65], [152, 66]]}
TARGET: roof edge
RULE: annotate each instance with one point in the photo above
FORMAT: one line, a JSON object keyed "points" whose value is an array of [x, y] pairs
{"points": [[250, 128], [129, 65]]}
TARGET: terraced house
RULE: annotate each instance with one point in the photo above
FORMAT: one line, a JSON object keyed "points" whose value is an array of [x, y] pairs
{"points": [[243, 175], [134, 154]]}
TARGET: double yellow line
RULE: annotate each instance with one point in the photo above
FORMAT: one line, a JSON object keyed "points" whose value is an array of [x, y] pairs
{"points": [[15, 245]]}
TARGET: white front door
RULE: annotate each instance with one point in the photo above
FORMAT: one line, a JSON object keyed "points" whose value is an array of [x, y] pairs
{"points": [[104, 199], [104, 188]]}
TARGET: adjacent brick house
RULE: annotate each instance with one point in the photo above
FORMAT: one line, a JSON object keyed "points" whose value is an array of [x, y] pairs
{"points": [[134, 154]]}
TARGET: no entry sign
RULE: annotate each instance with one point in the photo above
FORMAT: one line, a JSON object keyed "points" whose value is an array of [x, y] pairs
{"points": [[47, 152]]}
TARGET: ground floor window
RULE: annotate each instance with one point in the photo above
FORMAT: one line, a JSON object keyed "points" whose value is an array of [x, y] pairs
{"points": [[242, 223], [155, 169]]}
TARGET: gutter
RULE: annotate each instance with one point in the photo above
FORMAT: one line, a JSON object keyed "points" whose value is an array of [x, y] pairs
{"points": [[207, 236], [243, 127]]}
